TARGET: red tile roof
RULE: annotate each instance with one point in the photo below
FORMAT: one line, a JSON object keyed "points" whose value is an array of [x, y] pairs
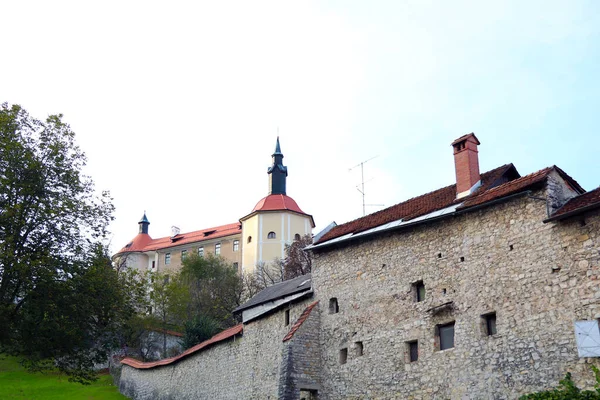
{"points": [[578, 204], [495, 184], [414, 207], [143, 242], [219, 337], [276, 202], [300, 321]]}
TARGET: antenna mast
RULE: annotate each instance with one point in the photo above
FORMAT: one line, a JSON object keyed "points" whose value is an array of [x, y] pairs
{"points": [[362, 183]]}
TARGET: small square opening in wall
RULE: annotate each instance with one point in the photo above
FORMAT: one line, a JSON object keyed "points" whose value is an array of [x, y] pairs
{"points": [[343, 356], [359, 349], [333, 306], [287, 317], [419, 291], [412, 348], [489, 324], [462, 259]]}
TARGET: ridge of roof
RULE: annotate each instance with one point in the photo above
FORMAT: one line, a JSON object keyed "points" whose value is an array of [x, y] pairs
{"points": [[219, 337], [303, 317], [416, 206]]}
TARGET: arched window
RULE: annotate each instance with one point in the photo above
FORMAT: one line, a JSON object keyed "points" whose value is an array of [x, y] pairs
{"points": [[249, 239], [297, 236], [271, 235]]}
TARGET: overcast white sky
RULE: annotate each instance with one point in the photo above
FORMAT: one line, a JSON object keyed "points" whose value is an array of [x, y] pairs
{"points": [[177, 104]]}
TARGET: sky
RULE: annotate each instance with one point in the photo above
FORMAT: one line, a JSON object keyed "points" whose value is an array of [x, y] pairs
{"points": [[178, 104]]}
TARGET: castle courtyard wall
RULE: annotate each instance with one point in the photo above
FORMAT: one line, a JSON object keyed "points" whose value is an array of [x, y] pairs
{"points": [[538, 278]]}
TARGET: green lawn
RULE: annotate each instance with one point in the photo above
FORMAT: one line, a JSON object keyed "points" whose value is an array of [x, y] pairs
{"points": [[16, 383]]}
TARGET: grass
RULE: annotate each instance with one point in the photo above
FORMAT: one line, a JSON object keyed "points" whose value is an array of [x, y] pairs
{"points": [[16, 383]]}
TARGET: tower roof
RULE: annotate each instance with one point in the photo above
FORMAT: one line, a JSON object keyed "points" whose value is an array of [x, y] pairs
{"points": [[278, 148], [144, 219], [278, 202]]}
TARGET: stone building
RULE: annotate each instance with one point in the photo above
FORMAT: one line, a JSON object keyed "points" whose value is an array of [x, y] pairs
{"points": [[485, 289], [256, 239]]}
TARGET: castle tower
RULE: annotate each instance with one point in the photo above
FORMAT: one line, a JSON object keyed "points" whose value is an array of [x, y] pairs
{"points": [[275, 221]]}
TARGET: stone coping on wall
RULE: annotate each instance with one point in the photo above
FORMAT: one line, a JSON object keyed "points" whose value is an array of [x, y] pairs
{"points": [[219, 337]]}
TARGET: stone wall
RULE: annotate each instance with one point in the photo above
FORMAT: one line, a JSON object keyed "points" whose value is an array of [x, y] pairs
{"points": [[246, 367], [537, 278]]}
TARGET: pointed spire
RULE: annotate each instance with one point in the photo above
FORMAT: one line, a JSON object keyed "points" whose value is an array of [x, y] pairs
{"points": [[277, 172], [144, 224], [277, 148]]}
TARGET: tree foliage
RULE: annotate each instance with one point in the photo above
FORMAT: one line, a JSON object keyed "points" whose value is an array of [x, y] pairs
{"points": [[215, 288], [199, 329], [169, 297], [60, 300], [297, 262], [567, 390]]}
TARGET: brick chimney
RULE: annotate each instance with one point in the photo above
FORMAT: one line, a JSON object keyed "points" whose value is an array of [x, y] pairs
{"points": [[466, 164]]}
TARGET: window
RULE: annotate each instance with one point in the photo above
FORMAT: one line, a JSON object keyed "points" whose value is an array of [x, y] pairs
{"points": [[236, 266], [413, 350], [271, 235], [200, 251], [167, 258], [343, 355], [249, 239], [333, 306], [236, 245], [287, 317], [358, 347], [183, 254], [446, 335], [419, 291], [153, 264], [218, 248], [297, 236], [489, 321]]}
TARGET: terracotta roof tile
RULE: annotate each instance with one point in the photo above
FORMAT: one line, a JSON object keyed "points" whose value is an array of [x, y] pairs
{"points": [[143, 242], [495, 184], [582, 202], [278, 202], [300, 321], [506, 188], [219, 337], [414, 207]]}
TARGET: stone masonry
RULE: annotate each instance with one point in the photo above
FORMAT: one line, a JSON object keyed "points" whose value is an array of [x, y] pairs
{"points": [[246, 367], [376, 296], [537, 278]]}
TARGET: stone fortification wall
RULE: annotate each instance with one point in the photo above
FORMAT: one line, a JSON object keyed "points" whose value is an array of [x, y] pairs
{"points": [[246, 367], [538, 279]]}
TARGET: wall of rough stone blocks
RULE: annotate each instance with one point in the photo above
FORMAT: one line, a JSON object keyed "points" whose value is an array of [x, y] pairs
{"points": [[301, 360], [538, 278], [247, 367]]}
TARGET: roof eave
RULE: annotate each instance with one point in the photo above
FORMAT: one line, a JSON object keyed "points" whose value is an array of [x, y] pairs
{"points": [[409, 224], [572, 213]]}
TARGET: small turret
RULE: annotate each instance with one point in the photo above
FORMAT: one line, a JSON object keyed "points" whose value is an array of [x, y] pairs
{"points": [[144, 224], [277, 172]]}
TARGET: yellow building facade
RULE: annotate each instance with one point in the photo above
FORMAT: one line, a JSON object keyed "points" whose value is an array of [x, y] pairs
{"points": [[257, 239]]}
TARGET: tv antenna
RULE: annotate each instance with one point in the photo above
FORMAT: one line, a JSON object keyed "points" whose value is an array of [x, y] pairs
{"points": [[361, 189]]}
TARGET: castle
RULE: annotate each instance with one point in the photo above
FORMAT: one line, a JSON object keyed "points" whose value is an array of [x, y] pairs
{"points": [[258, 238], [484, 289]]}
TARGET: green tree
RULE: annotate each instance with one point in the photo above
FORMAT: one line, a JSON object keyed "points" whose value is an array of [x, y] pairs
{"points": [[169, 297], [59, 297], [199, 329], [215, 287]]}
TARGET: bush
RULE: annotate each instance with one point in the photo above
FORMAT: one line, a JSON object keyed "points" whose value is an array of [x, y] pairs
{"points": [[567, 390]]}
